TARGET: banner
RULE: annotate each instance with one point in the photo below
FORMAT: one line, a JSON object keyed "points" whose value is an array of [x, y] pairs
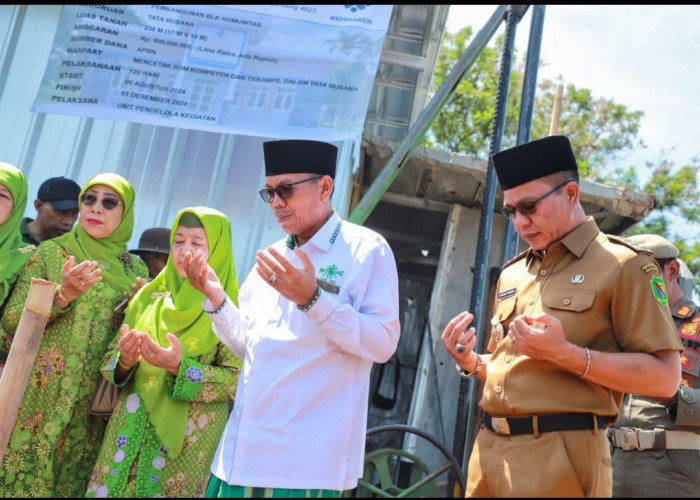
{"points": [[285, 71]]}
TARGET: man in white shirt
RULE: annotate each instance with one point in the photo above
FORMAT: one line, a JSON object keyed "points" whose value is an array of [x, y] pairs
{"points": [[317, 310]]}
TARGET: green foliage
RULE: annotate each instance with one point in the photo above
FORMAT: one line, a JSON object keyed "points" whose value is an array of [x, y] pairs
{"points": [[601, 131], [676, 205]]}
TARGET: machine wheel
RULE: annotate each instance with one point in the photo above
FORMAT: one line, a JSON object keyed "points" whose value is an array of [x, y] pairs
{"points": [[396, 473]]}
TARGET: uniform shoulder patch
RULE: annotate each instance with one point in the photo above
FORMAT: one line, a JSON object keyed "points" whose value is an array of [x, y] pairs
{"points": [[650, 267], [658, 288], [684, 311], [515, 259]]}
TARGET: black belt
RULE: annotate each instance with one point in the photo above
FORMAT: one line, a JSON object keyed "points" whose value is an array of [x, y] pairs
{"points": [[545, 423]]}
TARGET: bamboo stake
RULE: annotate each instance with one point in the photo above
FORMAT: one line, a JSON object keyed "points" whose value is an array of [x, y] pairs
{"points": [[20, 359], [554, 124]]}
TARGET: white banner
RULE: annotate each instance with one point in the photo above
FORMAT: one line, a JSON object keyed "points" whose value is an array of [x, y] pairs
{"points": [[285, 71]]}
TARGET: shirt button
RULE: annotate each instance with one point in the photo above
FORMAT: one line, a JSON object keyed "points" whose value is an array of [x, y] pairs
{"points": [[543, 272], [498, 389], [566, 301]]}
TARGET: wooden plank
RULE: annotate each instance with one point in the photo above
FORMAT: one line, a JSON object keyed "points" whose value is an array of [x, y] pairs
{"points": [[20, 359]]}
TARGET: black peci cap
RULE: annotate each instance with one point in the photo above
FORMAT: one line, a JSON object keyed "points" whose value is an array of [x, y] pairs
{"points": [[300, 156], [61, 192], [533, 160]]}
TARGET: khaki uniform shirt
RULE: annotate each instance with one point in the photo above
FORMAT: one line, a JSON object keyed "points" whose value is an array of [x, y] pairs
{"points": [[608, 295]]}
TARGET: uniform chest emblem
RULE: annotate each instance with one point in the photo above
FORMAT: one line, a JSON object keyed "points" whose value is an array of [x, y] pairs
{"points": [[330, 273], [659, 290], [578, 278]]}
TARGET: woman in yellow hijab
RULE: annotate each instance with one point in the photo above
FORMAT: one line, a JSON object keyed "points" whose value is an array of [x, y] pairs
{"points": [[178, 380], [55, 441]]}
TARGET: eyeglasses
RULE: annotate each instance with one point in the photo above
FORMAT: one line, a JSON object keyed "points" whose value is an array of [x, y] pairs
{"points": [[284, 191], [108, 203], [528, 208]]}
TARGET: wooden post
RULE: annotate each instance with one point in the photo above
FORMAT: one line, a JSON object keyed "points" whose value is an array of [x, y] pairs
{"points": [[554, 124], [20, 359]]}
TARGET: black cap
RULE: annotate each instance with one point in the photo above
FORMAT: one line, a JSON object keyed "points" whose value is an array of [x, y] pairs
{"points": [[300, 156], [533, 160], [61, 192], [155, 239]]}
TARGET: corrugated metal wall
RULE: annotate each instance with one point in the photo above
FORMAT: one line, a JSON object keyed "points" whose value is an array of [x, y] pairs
{"points": [[169, 168]]}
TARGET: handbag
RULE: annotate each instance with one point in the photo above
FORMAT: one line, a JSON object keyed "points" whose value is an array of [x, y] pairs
{"points": [[104, 399], [106, 394]]}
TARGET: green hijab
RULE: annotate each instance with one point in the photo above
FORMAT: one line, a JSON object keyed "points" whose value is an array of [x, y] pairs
{"points": [[110, 252], [13, 251], [170, 304]]}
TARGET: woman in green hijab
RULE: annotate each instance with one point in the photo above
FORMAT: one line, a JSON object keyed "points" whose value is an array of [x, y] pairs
{"points": [[55, 441], [13, 252], [177, 379]]}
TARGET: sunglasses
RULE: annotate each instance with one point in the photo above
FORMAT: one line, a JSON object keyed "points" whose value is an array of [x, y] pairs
{"points": [[108, 203], [284, 191], [528, 208]]}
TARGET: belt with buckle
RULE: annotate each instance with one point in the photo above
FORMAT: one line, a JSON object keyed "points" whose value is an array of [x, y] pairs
{"points": [[632, 438], [507, 426]]}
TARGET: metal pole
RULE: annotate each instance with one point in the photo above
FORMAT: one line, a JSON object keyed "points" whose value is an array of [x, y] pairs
{"points": [[466, 414], [510, 244], [391, 170]]}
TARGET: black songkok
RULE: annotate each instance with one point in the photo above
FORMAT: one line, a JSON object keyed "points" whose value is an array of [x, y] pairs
{"points": [[533, 160], [299, 156]]}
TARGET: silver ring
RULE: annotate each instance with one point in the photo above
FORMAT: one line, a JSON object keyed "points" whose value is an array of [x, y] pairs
{"points": [[272, 278], [459, 348]]}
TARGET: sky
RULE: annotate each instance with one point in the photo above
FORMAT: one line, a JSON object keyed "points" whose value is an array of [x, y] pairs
{"points": [[645, 57]]}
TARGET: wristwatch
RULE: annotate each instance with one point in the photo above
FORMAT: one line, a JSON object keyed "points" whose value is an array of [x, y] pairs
{"points": [[474, 372]]}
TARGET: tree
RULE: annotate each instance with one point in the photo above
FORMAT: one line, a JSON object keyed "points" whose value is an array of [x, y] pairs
{"points": [[601, 131], [676, 212]]}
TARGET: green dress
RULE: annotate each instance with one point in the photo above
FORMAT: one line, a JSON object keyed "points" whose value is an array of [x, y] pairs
{"points": [[55, 441], [133, 462], [164, 432]]}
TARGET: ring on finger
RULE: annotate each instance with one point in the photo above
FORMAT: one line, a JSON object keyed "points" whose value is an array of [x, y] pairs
{"points": [[459, 348]]}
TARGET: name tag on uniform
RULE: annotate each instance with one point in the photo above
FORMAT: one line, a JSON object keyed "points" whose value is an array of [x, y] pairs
{"points": [[329, 287], [507, 293]]}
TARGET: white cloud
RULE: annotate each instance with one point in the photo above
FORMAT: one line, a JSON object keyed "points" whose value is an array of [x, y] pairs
{"points": [[643, 56]]}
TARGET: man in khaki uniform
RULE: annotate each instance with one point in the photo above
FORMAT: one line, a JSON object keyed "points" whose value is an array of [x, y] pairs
{"points": [[580, 318], [656, 443]]}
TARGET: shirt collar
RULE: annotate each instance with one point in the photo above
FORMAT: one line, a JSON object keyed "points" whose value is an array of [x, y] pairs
{"points": [[324, 238], [26, 235], [575, 241]]}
